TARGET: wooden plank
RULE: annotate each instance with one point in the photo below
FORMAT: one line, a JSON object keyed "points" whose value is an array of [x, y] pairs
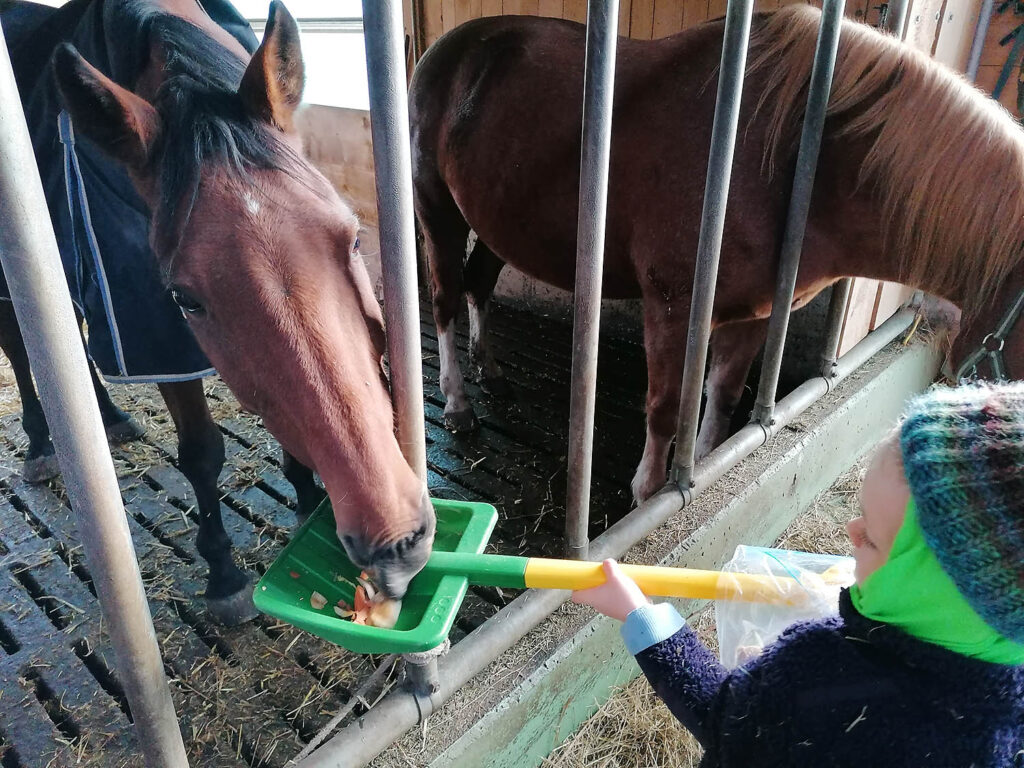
{"points": [[923, 24], [890, 297], [716, 8], [466, 10], [575, 10], [1000, 26], [625, 11], [490, 8], [694, 12], [668, 17], [955, 33], [859, 311], [448, 14], [433, 25], [641, 19], [552, 8]]}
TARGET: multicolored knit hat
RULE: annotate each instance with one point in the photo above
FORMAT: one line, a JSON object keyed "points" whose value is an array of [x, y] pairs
{"points": [[963, 455]]}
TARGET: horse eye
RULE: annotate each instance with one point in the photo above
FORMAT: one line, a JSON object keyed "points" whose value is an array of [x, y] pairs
{"points": [[355, 245], [186, 302]]}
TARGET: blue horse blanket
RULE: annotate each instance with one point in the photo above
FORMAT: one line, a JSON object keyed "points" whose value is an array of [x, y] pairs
{"points": [[136, 332]]}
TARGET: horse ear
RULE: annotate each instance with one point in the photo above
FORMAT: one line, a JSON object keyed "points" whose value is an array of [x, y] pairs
{"points": [[271, 88], [122, 124]]}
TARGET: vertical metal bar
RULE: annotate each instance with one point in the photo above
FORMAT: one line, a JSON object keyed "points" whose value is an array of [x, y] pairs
{"points": [[28, 252], [389, 125], [712, 224], [978, 43], [834, 325], [598, 92], [896, 17], [799, 206]]}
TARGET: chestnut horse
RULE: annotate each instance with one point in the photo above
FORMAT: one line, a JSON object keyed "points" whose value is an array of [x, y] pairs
{"points": [[919, 182], [261, 256]]}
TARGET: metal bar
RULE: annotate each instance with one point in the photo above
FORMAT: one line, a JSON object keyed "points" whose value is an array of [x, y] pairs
{"points": [[32, 265], [896, 17], [389, 124], [362, 740], [978, 43], [598, 93], [799, 206], [712, 224], [834, 325]]}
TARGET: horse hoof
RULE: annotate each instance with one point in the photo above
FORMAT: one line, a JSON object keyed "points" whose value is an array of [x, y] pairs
{"points": [[460, 421], [125, 431], [40, 469], [233, 610]]}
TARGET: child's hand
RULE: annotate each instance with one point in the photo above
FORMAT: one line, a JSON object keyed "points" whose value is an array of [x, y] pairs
{"points": [[618, 597]]}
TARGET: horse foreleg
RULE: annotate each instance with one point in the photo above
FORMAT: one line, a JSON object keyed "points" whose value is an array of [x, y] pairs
{"points": [[40, 461], [444, 242], [663, 331], [733, 348], [120, 427], [481, 275], [308, 492], [200, 459]]}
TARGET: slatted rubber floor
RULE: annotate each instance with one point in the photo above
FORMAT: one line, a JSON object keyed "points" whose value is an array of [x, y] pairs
{"points": [[252, 696]]}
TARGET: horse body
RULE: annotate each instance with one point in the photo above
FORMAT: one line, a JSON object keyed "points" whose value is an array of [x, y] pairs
{"points": [[260, 255], [495, 112]]}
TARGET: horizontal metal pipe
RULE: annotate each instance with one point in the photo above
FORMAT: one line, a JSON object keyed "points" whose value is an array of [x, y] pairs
{"points": [[712, 226], [361, 741], [39, 290], [978, 42], [799, 207], [598, 92], [389, 125]]}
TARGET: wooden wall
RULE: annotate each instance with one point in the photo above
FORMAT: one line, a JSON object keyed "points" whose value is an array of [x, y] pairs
{"points": [[641, 19]]}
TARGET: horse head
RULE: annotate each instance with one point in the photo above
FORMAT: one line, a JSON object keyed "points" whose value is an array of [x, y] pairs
{"points": [[261, 255]]}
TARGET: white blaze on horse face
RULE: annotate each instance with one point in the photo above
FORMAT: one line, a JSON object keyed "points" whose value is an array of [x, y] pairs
{"points": [[251, 203], [650, 475], [452, 385]]}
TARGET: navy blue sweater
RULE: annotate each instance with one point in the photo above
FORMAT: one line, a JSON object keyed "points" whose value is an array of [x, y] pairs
{"points": [[844, 691]]}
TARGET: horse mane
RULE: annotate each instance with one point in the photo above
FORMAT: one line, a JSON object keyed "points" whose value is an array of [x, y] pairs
{"points": [[945, 161]]}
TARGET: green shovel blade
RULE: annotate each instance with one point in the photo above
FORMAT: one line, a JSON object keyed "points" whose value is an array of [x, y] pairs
{"points": [[314, 561]]}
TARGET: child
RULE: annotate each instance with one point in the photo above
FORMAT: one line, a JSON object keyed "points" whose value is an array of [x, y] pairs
{"points": [[922, 667]]}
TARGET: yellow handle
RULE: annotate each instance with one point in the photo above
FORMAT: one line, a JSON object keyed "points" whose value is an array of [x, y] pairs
{"points": [[660, 581]]}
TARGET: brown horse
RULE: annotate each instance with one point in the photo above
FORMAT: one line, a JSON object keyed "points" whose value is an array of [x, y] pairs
{"points": [[262, 258], [919, 182]]}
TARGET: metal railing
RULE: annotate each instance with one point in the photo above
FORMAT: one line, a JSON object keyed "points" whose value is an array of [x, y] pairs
{"points": [[361, 741]]}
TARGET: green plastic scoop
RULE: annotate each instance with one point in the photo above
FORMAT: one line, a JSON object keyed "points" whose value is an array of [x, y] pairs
{"points": [[314, 561]]}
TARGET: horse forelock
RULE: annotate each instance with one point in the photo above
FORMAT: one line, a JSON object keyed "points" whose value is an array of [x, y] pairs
{"points": [[945, 161], [205, 123]]}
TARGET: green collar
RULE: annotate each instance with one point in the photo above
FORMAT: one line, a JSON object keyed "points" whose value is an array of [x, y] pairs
{"points": [[912, 592]]}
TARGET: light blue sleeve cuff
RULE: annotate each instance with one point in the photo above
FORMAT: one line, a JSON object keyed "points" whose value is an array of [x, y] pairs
{"points": [[650, 624]]}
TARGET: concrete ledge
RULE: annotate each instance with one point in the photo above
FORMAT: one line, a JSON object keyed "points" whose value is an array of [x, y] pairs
{"points": [[550, 703]]}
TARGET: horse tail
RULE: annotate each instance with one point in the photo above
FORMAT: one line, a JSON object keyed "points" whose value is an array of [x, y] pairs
{"points": [[945, 161]]}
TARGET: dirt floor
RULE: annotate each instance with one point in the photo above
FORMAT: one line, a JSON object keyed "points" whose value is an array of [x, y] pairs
{"points": [[634, 729]]}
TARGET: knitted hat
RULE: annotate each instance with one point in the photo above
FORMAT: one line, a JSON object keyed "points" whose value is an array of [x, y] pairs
{"points": [[963, 455]]}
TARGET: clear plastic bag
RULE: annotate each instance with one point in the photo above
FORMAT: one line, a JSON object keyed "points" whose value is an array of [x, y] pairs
{"points": [[745, 628]]}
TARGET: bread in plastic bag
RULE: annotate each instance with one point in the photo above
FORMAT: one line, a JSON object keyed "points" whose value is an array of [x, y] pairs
{"points": [[745, 628]]}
